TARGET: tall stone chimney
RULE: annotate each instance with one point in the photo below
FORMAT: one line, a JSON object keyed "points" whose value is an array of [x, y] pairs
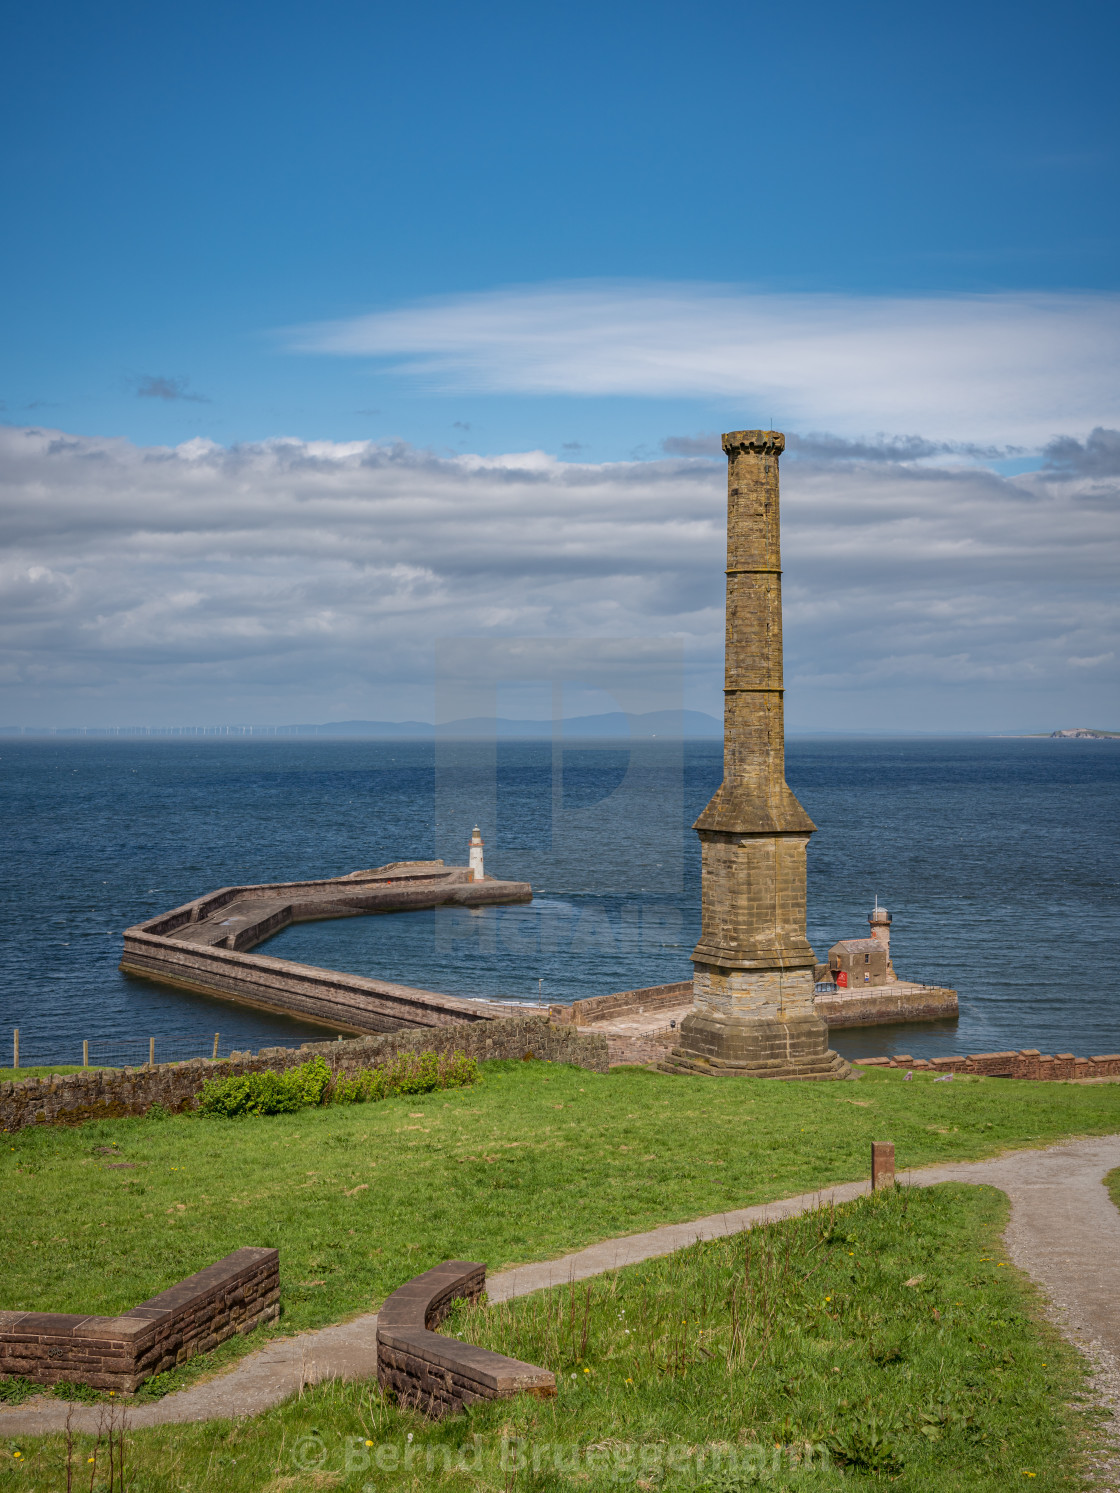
{"points": [[753, 1010]]}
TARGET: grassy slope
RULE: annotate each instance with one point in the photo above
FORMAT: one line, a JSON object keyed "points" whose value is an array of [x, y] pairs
{"points": [[892, 1321], [18, 1074], [892, 1331], [536, 1161]]}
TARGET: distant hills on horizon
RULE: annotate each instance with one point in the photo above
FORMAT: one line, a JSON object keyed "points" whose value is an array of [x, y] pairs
{"points": [[689, 725]]}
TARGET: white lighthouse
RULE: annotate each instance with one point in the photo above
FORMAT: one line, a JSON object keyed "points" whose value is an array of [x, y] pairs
{"points": [[475, 861]]}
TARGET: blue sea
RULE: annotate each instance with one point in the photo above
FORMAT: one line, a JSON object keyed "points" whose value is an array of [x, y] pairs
{"points": [[998, 859]]}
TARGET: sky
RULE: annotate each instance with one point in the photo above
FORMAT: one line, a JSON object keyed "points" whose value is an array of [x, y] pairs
{"points": [[331, 333]]}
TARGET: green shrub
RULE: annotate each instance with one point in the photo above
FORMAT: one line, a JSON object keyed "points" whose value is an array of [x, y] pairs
{"points": [[411, 1073], [266, 1093], [310, 1083]]}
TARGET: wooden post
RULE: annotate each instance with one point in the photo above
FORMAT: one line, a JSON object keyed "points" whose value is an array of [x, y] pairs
{"points": [[882, 1164], [151, 1052], [15, 1048], [85, 1053], [215, 1046]]}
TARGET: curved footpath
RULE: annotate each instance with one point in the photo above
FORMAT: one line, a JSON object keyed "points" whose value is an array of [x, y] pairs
{"points": [[1064, 1232]]}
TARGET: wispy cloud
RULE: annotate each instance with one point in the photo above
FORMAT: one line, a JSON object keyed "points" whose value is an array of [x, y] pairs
{"points": [[1097, 456], [994, 370], [821, 446], [310, 580], [159, 386]]}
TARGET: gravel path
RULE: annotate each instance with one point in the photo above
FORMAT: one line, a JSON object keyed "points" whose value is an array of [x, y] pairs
{"points": [[1064, 1232]]}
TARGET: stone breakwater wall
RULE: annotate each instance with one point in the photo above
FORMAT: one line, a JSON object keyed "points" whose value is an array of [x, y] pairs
{"points": [[104, 1093], [203, 946], [119, 1353], [877, 1006], [338, 1001], [882, 1004], [441, 1375], [1028, 1062]]}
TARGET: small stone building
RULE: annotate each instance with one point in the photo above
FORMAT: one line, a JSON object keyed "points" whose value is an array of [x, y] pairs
{"points": [[855, 962]]}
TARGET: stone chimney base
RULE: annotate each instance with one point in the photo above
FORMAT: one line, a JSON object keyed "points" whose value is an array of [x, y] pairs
{"points": [[722, 1046]]}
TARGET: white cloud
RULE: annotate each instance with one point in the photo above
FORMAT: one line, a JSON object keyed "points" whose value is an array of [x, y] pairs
{"points": [[309, 581], [1005, 369]]}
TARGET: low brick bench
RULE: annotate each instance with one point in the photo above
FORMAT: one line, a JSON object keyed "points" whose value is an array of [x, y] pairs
{"points": [[436, 1374], [234, 1295], [1028, 1062]]}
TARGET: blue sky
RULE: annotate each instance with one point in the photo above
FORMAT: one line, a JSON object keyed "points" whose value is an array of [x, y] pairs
{"points": [[603, 233], [185, 182]]}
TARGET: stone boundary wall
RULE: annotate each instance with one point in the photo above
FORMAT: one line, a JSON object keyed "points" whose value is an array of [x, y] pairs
{"points": [[647, 1049], [623, 1003], [1027, 1063], [102, 1093], [440, 1375], [884, 1004], [119, 1353]]}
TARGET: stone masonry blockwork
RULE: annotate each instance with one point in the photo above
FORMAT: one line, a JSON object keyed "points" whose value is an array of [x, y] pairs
{"points": [[753, 1010]]}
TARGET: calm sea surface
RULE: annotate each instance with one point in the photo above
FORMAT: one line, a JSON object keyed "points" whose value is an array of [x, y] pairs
{"points": [[999, 860]]}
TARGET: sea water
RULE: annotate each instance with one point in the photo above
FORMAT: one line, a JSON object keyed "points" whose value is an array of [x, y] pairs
{"points": [[997, 857]]}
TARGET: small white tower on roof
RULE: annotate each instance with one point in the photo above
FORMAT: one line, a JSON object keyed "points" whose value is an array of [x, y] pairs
{"points": [[475, 861], [880, 920]]}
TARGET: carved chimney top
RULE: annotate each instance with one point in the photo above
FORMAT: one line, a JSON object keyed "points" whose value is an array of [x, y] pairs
{"points": [[761, 442]]}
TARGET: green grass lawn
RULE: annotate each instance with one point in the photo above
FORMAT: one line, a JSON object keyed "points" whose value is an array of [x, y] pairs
{"points": [[535, 1161], [885, 1342]]}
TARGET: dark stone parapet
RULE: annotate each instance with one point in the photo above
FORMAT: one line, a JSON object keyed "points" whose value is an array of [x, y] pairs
{"points": [[106, 1093], [440, 1375], [119, 1353]]}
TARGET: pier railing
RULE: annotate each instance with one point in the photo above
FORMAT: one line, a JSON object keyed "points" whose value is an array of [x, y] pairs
{"points": [[826, 987]]}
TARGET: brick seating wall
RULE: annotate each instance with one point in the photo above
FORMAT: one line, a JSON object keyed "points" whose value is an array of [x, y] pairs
{"points": [[104, 1093], [119, 1353], [1026, 1063], [440, 1375]]}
